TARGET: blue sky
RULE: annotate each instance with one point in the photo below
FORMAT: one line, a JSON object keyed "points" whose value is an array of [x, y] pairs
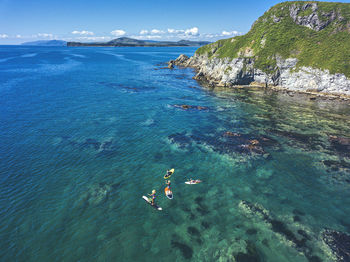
{"points": [[91, 20]]}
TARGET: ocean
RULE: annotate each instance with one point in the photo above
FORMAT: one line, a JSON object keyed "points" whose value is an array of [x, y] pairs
{"points": [[86, 132]]}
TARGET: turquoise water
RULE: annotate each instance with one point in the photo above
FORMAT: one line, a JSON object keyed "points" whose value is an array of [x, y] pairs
{"points": [[85, 132]]}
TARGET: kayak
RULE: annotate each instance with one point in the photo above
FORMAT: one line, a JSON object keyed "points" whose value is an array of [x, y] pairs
{"points": [[171, 171], [149, 202], [168, 193], [193, 182]]}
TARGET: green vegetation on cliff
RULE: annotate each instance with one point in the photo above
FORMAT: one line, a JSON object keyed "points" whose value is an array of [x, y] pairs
{"points": [[316, 33]]}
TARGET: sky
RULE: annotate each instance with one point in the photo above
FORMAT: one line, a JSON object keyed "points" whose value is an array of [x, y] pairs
{"points": [[104, 20]]}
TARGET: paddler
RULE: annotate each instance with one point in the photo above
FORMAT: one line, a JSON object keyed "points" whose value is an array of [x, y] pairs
{"points": [[168, 184], [153, 195], [168, 173]]}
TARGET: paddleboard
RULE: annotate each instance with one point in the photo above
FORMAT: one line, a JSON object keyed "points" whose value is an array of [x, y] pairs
{"points": [[193, 183], [149, 202], [171, 171], [168, 193]]}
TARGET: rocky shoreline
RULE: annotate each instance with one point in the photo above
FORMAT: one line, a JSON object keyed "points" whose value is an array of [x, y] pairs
{"points": [[220, 73]]}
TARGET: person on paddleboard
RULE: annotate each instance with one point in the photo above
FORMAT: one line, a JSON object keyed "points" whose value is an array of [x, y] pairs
{"points": [[168, 182], [194, 181], [153, 195], [168, 173]]}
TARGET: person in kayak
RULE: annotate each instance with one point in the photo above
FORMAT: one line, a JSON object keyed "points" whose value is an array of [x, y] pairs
{"points": [[153, 195]]}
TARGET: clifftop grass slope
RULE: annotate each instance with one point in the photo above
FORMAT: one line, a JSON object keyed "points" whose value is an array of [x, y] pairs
{"points": [[316, 33]]}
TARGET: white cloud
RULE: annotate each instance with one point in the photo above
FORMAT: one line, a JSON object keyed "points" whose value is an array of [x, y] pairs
{"points": [[83, 32], [226, 33], [118, 32], [156, 31], [192, 31], [4, 36], [144, 32], [175, 31], [18, 36], [148, 37], [94, 38], [45, 35], [209, 35]]}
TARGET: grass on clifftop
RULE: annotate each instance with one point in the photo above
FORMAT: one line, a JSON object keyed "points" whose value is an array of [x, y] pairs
{"points": [[275, 34]]}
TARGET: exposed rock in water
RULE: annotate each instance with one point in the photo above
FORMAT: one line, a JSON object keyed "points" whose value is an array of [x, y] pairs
{"points": [[182, 59], [338, 242], [229, 133], [171, 64], [186, 107]]}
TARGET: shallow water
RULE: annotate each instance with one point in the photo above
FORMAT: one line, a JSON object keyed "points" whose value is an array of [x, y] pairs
{"points": [[85, 132]]}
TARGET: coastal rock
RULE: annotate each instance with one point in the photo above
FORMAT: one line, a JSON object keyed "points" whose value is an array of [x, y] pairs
{"points": [[312, 20], [171, 64], [338, 242], [181, 60], [262, 59], [241, 71]]}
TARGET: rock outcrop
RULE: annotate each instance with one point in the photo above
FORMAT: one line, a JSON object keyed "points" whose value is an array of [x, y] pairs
{"points": [[306, 55], [241, 71], [338, 242]]}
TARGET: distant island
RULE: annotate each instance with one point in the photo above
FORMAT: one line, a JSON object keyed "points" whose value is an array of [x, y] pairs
{"points": [[46, 43], [126, 41], [300, 46]]}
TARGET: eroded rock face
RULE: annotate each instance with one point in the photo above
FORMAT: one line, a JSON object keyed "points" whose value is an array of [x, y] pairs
{"points": [[182, 59], [312, 20], [338, 242], [241, 71]]}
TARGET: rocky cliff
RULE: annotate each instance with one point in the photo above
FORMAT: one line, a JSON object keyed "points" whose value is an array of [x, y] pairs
{"points": [[302, 46]]}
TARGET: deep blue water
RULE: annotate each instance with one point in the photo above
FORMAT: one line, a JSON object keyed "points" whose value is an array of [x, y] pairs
{"points": [[85, 132]]}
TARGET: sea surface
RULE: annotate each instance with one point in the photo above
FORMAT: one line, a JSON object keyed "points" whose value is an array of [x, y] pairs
{"points": [[86, 132]]}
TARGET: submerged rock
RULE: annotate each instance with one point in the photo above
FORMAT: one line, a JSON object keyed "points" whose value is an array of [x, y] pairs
{"points": [[338, 242], [305, 141], [193, 231], [251, 255], [186, 250], [180, 139], [340, 144], [279, 227], [96, 195]]}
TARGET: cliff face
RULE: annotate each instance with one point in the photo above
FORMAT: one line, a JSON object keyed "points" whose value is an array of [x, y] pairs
{"points": [[297, 45]]}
